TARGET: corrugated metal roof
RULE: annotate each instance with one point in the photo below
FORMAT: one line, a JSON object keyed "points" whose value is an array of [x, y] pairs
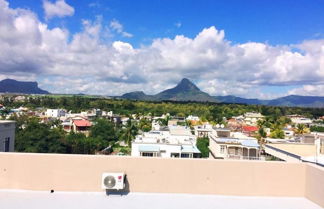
{"points": [[148, 148], [189, 149], [250, 143]]}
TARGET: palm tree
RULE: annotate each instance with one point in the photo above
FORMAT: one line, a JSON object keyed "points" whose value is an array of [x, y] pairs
{"points": [[301, 129], [129, 132]]}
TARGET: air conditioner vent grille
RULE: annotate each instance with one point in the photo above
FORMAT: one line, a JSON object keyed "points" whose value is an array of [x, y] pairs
{"points": [[109, 182]]}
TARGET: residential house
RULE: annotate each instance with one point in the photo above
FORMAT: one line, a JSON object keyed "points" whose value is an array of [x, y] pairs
{"points": [[172, 141], [173, 122], [299, 119], [289, 133], [77, 125], [250, 130], [233, 148], [251, 118], [203, 130], [193, 118], [55, 113]]}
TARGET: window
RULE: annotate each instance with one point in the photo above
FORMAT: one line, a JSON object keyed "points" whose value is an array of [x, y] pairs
{"points": [[148, 154], [196, 155], [185, 155], [222, 149], [7, 144], [174, 154]]}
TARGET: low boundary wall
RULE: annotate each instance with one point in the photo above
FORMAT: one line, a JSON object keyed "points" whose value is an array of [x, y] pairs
{"points": [[198, 176]]}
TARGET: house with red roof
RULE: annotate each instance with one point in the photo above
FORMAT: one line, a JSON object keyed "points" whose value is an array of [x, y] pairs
{"points": [[250, 130], [77, 125]]}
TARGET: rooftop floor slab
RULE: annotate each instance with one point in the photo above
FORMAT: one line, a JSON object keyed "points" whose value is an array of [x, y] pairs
{"points": [[17, 199]]}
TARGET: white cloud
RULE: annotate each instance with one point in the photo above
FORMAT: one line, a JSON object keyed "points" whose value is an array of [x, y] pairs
{"points": [[58, 9], [308, 90], [115, 25], [83, 62]]}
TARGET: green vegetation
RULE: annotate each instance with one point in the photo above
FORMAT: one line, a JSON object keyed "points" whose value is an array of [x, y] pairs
{"points": [[202, 145], [209, 111], [39, 137], [32, 136], [301, 129], [317, 128], [275, 123], [128, 133], [103, 130], [277, 134]]}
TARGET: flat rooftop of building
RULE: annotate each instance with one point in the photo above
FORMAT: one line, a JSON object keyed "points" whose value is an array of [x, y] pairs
{"points": [[7, 121], [17, 199], [302, 150]]}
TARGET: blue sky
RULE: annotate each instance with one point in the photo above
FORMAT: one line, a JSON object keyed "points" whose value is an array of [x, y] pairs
{"points": [[271, 21], [284, 33]]}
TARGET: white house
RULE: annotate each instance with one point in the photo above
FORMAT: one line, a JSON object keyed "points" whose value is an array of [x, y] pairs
{"points": [[251, 118], [289, 134], [7, 135], [55, 113], [246, 148], [301, 120], [193, 118], [174, 141], [203, 130]]}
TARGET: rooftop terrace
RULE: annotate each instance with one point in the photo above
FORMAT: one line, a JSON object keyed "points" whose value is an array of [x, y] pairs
{"points": [[157, 183]]}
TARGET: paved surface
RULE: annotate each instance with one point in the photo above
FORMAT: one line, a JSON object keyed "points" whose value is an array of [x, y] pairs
{"points": [[12, 199]]}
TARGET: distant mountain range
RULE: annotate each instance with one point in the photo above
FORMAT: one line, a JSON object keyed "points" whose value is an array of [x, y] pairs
{"points": [[291, 101], [184, 91], [22, 87], [187, 91]]}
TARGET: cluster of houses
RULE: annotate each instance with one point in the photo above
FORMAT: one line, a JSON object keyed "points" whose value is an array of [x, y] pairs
{"points": [[235, 140], [178, 141]]}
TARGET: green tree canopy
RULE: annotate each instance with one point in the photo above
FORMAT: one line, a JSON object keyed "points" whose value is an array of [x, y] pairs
{"points": [[39, 137], [202, 145], [104, 130]]}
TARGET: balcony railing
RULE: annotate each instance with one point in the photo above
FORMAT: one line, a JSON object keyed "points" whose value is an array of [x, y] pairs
{"points": [[240, 157]]}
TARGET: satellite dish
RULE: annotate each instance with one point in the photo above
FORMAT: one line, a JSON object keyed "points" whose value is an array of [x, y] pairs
{"points": [[222, 126], [109, 182]]}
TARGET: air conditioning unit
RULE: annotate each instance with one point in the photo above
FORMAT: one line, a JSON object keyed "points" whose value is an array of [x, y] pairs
{"points": [[113, 181]]}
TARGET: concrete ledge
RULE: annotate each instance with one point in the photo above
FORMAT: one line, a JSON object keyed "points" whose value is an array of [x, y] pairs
{"points": [[44, 172]]}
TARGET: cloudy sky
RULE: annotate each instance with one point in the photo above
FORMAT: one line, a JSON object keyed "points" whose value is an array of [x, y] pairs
{"points": [[254, 49]]}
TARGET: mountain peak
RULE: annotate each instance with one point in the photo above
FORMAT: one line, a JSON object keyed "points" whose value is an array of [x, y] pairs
{"points": [[186, 85], [184, 91]]}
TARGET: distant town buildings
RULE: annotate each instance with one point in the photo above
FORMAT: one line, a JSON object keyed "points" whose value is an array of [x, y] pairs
{"points": [[251, 118], [299, 119], [55, 113]]}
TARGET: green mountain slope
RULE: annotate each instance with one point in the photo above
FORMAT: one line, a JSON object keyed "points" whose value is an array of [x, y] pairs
{"points": [[184, 91]]}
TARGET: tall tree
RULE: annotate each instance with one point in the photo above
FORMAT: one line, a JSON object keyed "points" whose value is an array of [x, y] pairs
{"points": [[104, 130]]}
